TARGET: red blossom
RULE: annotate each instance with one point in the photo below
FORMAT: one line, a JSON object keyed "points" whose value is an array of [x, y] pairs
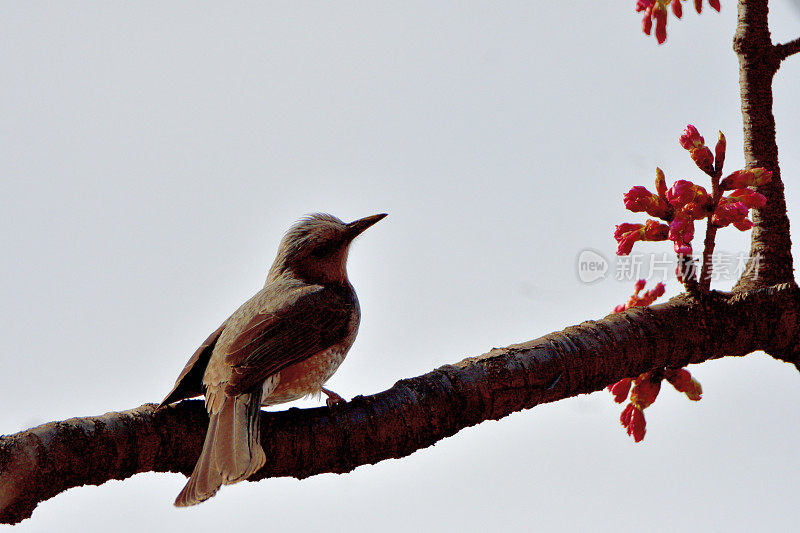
{"points": [[645, 390], [714, 4], [633, 419], [734, 208], [683, 192], [746, 178], [748, 197], [640, 199], [691, 138], [644, 300], [683, 381], [627, 234], [661, 184], [660, 14], [728, 213], [620, 389], [704, 159], [692, 141], [719, 153], [681, 233], [677, 8], [698, 6]]}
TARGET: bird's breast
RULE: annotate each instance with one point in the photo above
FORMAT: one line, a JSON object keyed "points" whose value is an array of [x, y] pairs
{"points": [[304, 378]]}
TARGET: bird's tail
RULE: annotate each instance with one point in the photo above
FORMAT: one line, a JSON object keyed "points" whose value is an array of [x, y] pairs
{"points": [[232, 450]]}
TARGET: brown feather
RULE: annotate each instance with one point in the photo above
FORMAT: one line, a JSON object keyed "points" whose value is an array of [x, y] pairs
{"points": [[190, 382], [275, 340]]}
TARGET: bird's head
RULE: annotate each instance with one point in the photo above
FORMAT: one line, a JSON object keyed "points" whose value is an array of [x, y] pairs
{"points": [[315, 249]]}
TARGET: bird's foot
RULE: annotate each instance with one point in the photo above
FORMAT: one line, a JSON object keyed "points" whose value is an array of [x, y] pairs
{"points": [[333, 398]]}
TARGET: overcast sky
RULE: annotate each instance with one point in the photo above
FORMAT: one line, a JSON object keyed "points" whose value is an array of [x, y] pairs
{"points": [[153, 153]]}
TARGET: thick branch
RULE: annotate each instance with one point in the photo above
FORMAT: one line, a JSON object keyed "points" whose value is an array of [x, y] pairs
{"points": [[415, 413], [770, 250], [786, 49]]}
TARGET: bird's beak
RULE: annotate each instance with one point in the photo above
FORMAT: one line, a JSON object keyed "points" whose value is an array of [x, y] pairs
{"points": [[356, 227]]}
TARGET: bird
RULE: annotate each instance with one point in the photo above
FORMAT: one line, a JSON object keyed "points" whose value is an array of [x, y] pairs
{"points": [[281, 345]]}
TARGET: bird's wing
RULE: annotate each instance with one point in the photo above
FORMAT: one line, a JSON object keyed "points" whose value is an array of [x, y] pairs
{"points": [[190, 382], [287, 334]]}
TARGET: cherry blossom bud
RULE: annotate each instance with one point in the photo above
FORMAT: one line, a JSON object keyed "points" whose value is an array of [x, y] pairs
{"points": [[691, 138], [719, 152], [681, 232], [704, 159], [727, 213], [644, 391], [677, 8], [627, 234], [620, 389], [633, 420], [683, 382], [750, 198], [639, 199], [660, 14], [661, 184], [683, 192], [746, 178]]}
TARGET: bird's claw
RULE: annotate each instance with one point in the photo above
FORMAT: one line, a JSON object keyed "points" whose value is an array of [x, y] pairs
{"points": [[333, 398]]}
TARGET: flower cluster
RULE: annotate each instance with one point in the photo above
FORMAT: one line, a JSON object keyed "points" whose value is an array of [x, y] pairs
{"points": [[645, 388], [643, 392], [655, 11], [686, 202], [644, 300]]}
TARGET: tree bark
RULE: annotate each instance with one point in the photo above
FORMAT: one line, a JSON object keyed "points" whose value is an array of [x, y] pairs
{"points": [[415, 413], [770, 250]]}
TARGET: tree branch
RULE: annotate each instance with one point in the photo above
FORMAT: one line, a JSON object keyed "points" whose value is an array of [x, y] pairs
{"points": [[415, 413], [770, 249], [786, 49]]}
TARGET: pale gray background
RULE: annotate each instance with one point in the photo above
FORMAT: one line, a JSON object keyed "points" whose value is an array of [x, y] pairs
{"points": [[152, 154]]}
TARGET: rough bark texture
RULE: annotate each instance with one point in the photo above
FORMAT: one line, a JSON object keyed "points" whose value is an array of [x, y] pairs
{"points": [[415, 413], [758, 62]]}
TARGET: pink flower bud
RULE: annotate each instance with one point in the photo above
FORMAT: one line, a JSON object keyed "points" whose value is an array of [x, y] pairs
{"points": [[627, 234], [647, 22], [703, 158], [655, 231], [728, 212], [632, 418], [660, 14], [661, 184], [644, 391], [683, 382], [691, 138], [683, 192], [639, 199], [719, 152], [746, 178], [681, 232], [750, 198], [681, 248], [639, 285], [620, 389]]}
